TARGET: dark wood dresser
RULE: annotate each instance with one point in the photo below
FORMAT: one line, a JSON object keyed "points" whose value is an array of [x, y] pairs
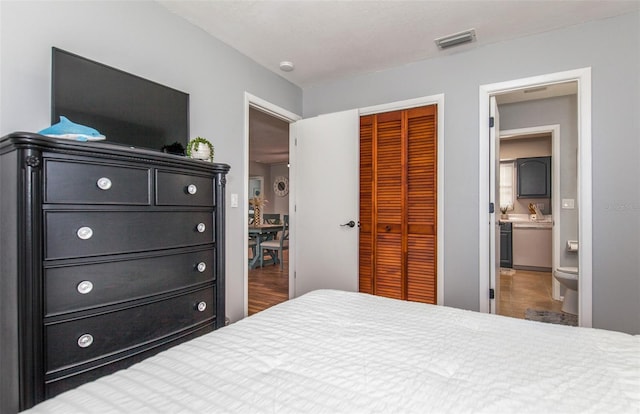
{"points": [[108, 255]]}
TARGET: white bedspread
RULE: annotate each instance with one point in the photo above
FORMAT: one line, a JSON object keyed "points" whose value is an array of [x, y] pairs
{"points": [[339, 352]]}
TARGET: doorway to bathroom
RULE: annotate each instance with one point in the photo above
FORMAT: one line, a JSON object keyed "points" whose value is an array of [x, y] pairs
{"points": [[527, 94], [530, 219]]}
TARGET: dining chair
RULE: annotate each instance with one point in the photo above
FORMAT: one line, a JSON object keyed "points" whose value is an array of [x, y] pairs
{"points": [[271, 218], [276, 248]]}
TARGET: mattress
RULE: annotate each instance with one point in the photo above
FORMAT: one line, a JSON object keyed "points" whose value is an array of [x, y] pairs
{"points": [[343, 352]]}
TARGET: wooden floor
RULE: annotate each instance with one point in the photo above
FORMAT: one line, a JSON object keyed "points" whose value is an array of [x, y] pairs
{"points": [[526, 289], [268, 285]]}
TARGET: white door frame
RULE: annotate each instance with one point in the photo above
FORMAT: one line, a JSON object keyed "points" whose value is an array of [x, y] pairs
{"points": [[414, 103], [251, 101], [554, 130], [583, 78]]}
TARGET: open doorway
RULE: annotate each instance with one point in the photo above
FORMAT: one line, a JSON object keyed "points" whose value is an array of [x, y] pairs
{"points": [[268, 282], [529, 245], [580, 158], [266, 175]]}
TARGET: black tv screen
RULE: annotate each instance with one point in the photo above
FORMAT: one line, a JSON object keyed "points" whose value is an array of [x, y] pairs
{"points": [[126, 108]]}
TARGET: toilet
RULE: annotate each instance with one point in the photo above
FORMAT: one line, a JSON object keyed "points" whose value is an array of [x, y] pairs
{"points": [[568, 277]]}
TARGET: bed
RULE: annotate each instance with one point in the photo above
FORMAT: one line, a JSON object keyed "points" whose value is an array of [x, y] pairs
{"points": [[342, 352]]}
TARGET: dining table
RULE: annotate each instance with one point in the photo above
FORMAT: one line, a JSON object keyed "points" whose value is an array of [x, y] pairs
{"points": [[260, 233]]}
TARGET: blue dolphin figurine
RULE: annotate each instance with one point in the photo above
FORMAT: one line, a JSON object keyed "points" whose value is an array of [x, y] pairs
{"points": [[70, 130]]}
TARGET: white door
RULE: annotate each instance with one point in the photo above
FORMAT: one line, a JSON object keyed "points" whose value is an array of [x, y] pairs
{"points": [[494, 197], [326, 197]]}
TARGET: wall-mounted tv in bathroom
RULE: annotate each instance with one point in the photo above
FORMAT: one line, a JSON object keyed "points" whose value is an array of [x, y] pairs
{"points": [[126, 108]]}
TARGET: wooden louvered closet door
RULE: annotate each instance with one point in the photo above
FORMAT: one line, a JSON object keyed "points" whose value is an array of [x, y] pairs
{"points": [[398, 204]]}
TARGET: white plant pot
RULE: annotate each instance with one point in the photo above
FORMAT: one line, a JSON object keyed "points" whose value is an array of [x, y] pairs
{"points": [[202, 153]]}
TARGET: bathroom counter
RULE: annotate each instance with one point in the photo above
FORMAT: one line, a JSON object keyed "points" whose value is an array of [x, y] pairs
{"points": [[523, 221]]}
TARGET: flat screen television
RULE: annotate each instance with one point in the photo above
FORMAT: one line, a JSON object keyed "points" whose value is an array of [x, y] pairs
{"points": [[126, 108]]}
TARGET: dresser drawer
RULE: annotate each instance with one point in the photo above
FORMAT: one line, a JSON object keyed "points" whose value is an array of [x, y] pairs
{"points": [[73, 288], [174, 189], [62, 381], [90, 233], [85, 183], [82, 340]]}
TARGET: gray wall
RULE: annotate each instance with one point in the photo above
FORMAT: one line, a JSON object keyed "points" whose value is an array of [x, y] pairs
{"points": [[143, 38], [611, 48], [564, 112]]}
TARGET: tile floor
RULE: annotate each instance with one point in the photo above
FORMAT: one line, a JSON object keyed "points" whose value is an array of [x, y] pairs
{"points": [[522, 289]]}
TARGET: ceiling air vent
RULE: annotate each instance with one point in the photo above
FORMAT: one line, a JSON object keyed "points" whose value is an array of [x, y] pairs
{"points": [[456, 39]]}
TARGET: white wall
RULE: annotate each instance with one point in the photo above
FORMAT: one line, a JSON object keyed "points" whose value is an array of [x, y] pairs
{"points": [[143, 38], [611, 47]]}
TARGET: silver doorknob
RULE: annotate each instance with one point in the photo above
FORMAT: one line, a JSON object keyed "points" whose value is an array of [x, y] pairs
{"points": [[350, 224], [192, 189], [201, 227]]}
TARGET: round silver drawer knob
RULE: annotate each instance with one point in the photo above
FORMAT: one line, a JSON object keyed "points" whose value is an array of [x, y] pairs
{"points": [[85, 341], [104, 183], [202, 306], [192, 189], [202, 266], [201, 227], [85, 287], [85, 233]]}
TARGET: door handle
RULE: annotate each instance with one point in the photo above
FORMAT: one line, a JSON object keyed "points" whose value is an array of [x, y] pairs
{"points": [[351, 224]]}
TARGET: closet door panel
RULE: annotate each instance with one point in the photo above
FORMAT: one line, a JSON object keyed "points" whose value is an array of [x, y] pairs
{"points": [[388, 204], [366, 252], [421, 204]]}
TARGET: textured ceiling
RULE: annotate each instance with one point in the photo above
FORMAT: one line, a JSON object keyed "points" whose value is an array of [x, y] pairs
{"points": [[332, 39]]}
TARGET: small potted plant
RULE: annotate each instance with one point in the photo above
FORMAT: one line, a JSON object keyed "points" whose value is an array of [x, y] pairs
{"points": [[200, 149], [503, 210]]}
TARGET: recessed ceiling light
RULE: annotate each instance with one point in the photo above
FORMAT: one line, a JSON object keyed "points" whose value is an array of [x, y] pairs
{"points": [[456, 39], [286, 66]]}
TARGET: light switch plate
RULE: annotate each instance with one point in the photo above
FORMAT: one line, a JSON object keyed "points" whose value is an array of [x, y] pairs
{"points": [[234, 200], [568, 203]]}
